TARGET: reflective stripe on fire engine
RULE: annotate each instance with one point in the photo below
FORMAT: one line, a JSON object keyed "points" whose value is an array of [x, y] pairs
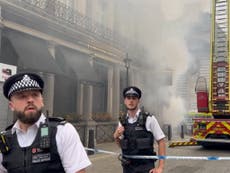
{"points": [[212, 127]]}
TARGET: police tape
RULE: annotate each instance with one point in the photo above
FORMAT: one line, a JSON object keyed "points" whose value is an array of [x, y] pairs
{"points": [[159, 157], [95, 150]]}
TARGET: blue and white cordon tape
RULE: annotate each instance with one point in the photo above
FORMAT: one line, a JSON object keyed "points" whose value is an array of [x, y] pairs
{"points": [[160, 157]]}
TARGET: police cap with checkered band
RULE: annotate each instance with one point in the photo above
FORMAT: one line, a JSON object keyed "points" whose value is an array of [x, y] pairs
{"points": [[22, 82], [132, 91]]}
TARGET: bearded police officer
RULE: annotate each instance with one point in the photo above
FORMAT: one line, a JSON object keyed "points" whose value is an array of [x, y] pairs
{"points": [[136, 133], [35, 143]]}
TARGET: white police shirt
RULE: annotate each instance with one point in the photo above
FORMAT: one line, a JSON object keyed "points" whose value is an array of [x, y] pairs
{"points": [[70, 148], [151, 125]]}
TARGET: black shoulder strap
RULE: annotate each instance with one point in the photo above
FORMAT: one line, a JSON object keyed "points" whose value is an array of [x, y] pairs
{"points": [[9, 127], [56, 120], [122, 118], [142, 117], [48, 129]]}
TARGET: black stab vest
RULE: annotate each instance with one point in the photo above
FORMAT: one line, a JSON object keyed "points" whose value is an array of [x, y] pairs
{"points": [[137, 140], [34, 159]]}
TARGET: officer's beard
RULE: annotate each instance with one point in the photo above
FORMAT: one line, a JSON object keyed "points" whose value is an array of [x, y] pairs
{"points": [[29, 118]]}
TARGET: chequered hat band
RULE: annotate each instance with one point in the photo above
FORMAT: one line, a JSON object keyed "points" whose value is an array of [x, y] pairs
{"points": [[25, 83]]}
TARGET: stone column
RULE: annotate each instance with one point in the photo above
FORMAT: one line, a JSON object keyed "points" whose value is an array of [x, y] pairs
{"points": [[117, 92], [85, 99], [89, 102], [80, 99], [110, 91], [1, 28], [90, 140], [48, 93], [49, 80]]}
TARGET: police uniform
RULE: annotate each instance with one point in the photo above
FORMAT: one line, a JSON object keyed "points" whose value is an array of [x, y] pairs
{"points": [[65, 152], [139, 135]]}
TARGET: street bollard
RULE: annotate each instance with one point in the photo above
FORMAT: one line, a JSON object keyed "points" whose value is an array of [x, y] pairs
{"points": [[182, 132], [169, 132], [91, 143]]}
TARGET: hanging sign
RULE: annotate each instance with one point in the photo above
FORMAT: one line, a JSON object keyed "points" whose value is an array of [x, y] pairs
{"points": [[6, 71]]}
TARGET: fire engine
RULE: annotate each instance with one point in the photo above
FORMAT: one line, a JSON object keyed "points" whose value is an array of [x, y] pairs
{"points": [[212, 126]]}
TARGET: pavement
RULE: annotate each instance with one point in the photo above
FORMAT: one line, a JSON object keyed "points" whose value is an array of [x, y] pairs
{"points": [[103, 162]]}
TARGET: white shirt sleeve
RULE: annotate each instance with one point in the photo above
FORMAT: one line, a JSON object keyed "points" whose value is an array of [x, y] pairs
{"points": [[71, 150], [153, 126], [2, 169]]}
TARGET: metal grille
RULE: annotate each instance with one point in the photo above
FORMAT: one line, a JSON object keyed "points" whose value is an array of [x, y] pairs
{"points": [[81, 129], [104, 132]]}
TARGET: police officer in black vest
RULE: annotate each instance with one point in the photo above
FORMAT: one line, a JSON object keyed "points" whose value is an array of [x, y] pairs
{"points": [[136, 133], [36, 143]]}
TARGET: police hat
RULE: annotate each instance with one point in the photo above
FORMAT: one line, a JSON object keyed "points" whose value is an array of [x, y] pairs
{"points": [[132, 91], [22, 82]]}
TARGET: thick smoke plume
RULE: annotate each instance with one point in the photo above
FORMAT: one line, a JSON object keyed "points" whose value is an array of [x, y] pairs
{"points": [[171, 31]]}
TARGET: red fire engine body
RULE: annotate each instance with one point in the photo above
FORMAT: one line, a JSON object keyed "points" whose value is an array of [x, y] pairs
{"points": [[214, 103]]}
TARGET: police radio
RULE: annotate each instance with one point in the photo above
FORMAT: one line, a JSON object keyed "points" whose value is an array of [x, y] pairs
{"points": [[44, 136]]}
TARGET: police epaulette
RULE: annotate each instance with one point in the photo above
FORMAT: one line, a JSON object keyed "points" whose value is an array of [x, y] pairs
{"points": [[9, 127], [60, 120], [147, 114], [142, 117]]}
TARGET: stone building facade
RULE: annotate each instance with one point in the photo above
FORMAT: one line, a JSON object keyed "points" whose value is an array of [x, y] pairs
{"points": [[74, 46]]}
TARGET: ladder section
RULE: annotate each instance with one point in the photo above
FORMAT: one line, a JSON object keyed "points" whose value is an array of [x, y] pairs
{"points": [[220, 61]]}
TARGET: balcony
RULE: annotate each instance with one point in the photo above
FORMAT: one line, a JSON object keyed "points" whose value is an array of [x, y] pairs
{"points": [[63, 15], [61, 21]]}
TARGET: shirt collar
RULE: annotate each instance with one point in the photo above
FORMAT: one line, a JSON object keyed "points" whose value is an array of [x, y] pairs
{"points": [[37, 124], [137, 113]]}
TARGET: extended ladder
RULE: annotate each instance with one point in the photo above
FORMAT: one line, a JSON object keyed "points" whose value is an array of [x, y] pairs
{"points": [[220, 60]]}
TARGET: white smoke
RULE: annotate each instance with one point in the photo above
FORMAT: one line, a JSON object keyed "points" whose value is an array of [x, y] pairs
{"points": [[180, 17], [179, 9], [164, 28]]}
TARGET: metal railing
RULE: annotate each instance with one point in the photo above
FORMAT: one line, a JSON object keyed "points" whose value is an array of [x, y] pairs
{"points": [[69, 17], [103, 131]]}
